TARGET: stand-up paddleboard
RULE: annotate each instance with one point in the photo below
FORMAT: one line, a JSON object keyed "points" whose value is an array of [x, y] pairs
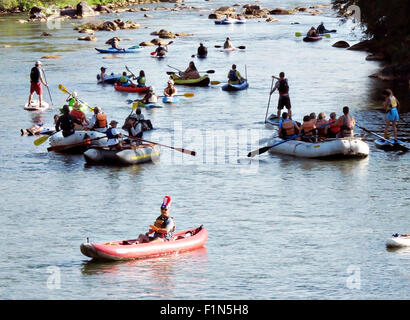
{"points": [[34, 106]]}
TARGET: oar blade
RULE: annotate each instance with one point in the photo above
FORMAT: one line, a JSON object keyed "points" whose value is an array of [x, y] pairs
{"points": [[298, 34], [258, 152], [40, 140], [242, 47], [215, 82], [189, 94]]}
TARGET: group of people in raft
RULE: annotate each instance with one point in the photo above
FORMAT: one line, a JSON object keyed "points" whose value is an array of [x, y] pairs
{"points": [[318, 128]]}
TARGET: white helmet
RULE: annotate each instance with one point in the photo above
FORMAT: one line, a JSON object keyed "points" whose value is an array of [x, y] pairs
{"points": [[170, 81], [151, 88], [75, 94], [38, 63]]}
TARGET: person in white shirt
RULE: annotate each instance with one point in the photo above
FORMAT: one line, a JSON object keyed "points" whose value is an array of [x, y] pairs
{"points": [[114, 136]]}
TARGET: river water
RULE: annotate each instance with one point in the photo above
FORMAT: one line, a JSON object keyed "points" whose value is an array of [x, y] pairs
{"points": [[279, 227]]}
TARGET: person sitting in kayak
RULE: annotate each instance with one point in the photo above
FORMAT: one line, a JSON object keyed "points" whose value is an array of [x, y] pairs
{"points": [[150, 97], [287, 127], [141, 79], [282, 86], [66, 122], [190, 73], [234, 77], [346, 123], [308, 130], [160, 50], [113, 136], [135, 128], [114, 44], [170, 90], [228, 44], [320, 122], [312, 33], [391, 107], [76, 112], [98, 121], [333, 129], [202, 51], [321, 28], [102, 74], [163, 228], [36, 80], [125, 81]]}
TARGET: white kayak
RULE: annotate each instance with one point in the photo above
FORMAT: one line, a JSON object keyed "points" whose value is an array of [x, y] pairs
{"points": [[77, 141], [34, 106], [330, 148], [398, 241]]}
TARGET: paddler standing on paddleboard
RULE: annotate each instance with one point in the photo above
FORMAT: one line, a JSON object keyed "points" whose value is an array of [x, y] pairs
{"points": [[36, 80], [283, 88]]}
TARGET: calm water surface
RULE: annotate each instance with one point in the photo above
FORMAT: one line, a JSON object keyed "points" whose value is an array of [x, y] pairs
{"points": [[279, 227]]}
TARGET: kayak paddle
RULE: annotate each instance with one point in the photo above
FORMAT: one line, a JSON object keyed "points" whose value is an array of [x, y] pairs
{"points": [[48, 89], [396, 145], [299, 34], [192, 153], [240, 47], [64, 89], [154, 52], [186, 95], [264, 149], [208, 71]]}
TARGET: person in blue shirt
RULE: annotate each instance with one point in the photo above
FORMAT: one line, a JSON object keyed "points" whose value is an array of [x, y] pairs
{"points": [[287, 127]]}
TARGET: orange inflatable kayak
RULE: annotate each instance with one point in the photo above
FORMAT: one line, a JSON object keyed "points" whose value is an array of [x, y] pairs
{"points": [[127, 249]]}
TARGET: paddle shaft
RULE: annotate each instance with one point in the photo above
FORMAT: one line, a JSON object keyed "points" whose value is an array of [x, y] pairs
{"points": [[384, 139], [270, 95], [192, 153], [48, 89]]}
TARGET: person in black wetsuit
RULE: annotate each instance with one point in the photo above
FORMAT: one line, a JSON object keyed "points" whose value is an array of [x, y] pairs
{"points": [[202, 51], [66, 122]]}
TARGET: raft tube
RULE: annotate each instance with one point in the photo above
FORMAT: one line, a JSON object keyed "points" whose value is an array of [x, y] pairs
{"points": [[398, 241], [78, 140], [143, 153], [187, 240], [200, 82], [330, 148], [110, 79]]}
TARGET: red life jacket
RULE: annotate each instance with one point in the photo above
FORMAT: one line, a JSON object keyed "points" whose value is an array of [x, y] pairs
{"points": [[332, 127], [78, 114]]}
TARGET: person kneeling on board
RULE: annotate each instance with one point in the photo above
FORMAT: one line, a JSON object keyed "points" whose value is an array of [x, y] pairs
{"points": [[288, 128], [163, 228], [67, 122], [113, 136]]}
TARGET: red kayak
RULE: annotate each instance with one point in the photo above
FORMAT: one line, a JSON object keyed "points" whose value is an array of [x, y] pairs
{"points": [[131, 88], [127, 249]]}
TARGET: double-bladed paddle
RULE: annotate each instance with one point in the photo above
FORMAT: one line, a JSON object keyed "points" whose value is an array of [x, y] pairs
{"points": [[264, 149], [186, 95], [192, 153], [300, 34], [154, 52], [395, 145], [239, 47], [207, 71], [64, 89]]}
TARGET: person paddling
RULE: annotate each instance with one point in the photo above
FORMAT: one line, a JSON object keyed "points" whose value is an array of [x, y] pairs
{"points": [[234, 77], [66, 122], [76, 112], [284, 100], [391, 107], [36, 80], [307, 128], [202, 51], [170, 90], [125, 81], [163, 227], [346, 123], [312, 33], [114, 44], [228, 44], [141, 79], [321, 28], [150, 96], [161, 50], [190, 73]]}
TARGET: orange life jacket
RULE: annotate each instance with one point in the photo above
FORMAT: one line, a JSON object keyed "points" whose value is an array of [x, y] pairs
{"points": [[78, 114], [288, 128], [332, 127], [101, 120], [307, 126]]}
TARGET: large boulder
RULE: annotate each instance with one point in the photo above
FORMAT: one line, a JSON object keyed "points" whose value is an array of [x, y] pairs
{"points": [[164, 34], [341, 44], [226, 11], [70, 12], [279, 11], [365, 45], [84, 10], [101, 8], [36, 13]]}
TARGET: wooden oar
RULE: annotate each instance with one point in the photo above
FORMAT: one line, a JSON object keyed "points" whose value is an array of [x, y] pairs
{"points": [[72, 145], [395, 145], [192, 153], [240, 47], [264, 149], [299, 34], [154, 52]]}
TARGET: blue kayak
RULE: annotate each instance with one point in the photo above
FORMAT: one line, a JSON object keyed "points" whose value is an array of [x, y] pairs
{"points": [[170, 99], [235, 87], [109, 78], [112, 50]]}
